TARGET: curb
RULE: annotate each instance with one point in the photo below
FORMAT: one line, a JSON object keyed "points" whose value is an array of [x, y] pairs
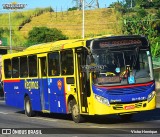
{"points": [[1, 98]]}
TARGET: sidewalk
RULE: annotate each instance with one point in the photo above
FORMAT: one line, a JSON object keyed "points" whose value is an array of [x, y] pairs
{"points": [[158, 93], [158, 98], [1, 98]]}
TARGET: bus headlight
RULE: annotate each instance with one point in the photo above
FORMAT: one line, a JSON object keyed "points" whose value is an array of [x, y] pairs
{"points": [[102, 99], [151, 95]]}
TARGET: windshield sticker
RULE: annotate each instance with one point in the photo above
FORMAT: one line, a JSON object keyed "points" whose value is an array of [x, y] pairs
{"points": [[108, 79], [148, 53], [131, 80], [118, 70]]}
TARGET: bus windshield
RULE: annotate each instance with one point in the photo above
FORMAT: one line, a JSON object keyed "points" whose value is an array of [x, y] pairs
{"points": [[121, 67]]}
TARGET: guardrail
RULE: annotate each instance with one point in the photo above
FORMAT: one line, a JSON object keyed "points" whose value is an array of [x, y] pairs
{"points": [[17, 48]]}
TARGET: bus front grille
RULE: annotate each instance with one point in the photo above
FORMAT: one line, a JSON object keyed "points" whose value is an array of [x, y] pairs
{"points": [[124, 91], [121, 106]]}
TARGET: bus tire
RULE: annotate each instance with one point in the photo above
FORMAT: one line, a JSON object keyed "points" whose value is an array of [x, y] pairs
{"points": [[126, 117], [28, 107], [76, 116]]}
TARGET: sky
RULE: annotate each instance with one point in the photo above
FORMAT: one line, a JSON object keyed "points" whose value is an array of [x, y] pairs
{"points": [[55, 4]]}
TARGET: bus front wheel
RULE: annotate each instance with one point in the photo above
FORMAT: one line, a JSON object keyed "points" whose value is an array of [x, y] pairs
{"points": [[28, 107], [76, 116]]}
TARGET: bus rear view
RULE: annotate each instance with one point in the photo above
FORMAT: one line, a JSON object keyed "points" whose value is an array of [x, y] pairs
{"points": [[123, 83]]}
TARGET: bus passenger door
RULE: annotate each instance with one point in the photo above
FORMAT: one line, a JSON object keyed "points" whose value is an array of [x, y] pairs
{"points": [[44, 95], [82, 82]]}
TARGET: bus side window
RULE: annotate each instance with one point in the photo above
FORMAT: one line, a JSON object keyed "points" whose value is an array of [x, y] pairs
{"points": [[67, 62], [32, 61], [23, 67], [7, 68], [43, 66], [53, 64], [15, 67]]}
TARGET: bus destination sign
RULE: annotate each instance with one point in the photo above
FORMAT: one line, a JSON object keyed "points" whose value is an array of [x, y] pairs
{"points": [[104, 44]]}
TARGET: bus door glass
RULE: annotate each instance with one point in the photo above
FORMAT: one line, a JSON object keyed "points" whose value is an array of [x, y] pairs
{"points": [[67, 72], [43, 82], [83, 80], [55, 84]]}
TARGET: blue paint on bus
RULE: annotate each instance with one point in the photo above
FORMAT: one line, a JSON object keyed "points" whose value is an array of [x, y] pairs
{"points": [[45, 94], [125, 95]]}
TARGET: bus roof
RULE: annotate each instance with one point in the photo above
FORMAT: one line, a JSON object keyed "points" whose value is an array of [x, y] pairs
{"points": [[63, 44], [47, 47]]}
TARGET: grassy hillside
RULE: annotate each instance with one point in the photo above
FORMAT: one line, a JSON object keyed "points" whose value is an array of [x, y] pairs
{"points": [[17, 21], [97, 22]]}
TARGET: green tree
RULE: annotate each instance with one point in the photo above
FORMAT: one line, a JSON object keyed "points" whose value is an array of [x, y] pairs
{"points": [[73, 8], [119, 6], [1, 32], [142, 13], [156, 3], [143, 26], [43, 34], [130, 3], [144, 3]]}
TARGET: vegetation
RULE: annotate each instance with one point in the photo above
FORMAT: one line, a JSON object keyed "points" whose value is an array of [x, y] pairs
{"points": [[97, 22], [1, 32], [18, 20], [43, 34], [141, 17], [73, 8]]}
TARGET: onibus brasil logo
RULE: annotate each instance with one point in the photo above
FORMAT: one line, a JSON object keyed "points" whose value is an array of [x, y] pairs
{"points": [[14, 6]]}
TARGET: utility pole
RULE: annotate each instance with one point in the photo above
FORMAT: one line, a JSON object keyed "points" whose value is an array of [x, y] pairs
{"points": [[12, 6], [92, 4], [10, 32], [97, 4], [131, 4], [83, 33], [88, 3]]}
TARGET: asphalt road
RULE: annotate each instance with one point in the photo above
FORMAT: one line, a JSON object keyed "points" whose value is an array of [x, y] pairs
{"points": [[62, 125]]}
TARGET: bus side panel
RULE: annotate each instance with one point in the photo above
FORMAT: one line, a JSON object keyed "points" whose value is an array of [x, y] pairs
{"points": [[36, 101], [32, 88], [57, 95], [43, 85], [9, 95], [15, 91], [14, 94]]}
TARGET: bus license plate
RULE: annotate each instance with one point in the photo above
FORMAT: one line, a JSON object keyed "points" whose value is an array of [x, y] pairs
{"points": [[129, 107]]}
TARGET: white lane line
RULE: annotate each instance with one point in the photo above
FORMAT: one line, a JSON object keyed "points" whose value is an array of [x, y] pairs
{"points": [[97, 127], [3, 113], [52, 120]]}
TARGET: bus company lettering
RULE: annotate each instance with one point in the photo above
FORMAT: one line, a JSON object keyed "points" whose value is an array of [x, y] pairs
{"points": [[31, 85]]}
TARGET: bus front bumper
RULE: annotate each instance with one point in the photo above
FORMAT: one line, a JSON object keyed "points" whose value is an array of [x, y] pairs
{"points": [[102, 109]]}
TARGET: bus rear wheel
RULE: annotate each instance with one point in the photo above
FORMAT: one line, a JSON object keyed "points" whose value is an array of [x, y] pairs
{"points": [[28, 107], [76, 116]]}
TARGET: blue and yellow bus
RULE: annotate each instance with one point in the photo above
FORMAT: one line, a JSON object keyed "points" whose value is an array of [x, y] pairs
{"points": [[96, 76]]}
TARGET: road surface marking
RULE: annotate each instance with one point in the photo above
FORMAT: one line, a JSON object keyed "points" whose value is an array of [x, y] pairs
{"points": [[97, 127], [3, 113], [45, 119]]}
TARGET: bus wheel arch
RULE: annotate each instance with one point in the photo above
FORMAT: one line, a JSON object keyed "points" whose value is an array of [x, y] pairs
{"points": [[69, 102], [76, 116], [28, 107]]}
